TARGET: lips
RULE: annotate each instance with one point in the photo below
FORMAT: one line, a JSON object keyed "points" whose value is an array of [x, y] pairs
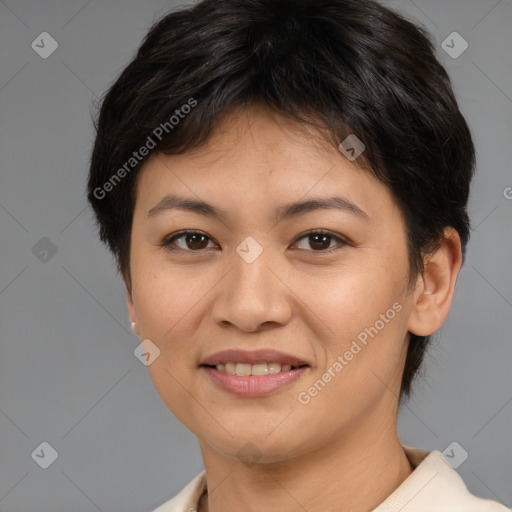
{"points": [[253, 357], [252, 386]]}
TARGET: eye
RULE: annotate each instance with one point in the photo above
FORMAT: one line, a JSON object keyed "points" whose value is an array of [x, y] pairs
{"points": [[192, 241], [195, 241], [320, 240]]}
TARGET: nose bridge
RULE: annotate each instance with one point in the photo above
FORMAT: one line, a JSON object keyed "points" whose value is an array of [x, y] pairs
{"points": [[252, 269], [252, 294]]}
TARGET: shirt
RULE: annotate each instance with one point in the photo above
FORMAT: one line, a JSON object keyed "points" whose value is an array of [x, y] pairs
{"points": [[433, 486]]}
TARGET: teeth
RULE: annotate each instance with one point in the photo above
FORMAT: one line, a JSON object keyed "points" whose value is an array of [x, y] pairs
{"points": [[259, 369], [253, 369]]}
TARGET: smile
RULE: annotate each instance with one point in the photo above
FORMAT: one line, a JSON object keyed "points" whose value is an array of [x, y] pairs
{"points": [[253, 369], [248, 384]]}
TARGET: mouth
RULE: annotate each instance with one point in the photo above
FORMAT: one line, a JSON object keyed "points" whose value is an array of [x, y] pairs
{"points": [[253, 374], [250, 380], [264, 360], [258, 369]]}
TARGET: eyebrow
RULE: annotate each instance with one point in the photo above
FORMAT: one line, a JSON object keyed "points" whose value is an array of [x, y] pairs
{"points": [[287, 211]]}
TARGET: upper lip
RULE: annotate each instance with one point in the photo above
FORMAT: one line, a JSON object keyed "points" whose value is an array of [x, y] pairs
{"points": [[252, 357]]}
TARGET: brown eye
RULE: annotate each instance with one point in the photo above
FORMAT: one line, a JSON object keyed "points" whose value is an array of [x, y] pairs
{"points": [[320, 241], [194, 241], [191, 241]]}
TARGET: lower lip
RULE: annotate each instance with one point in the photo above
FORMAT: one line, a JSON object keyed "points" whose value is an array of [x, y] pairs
{"points": [[253, 385]]}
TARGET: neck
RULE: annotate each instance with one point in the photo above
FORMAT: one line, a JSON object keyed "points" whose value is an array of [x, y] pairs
{"points": [[353, 472]]}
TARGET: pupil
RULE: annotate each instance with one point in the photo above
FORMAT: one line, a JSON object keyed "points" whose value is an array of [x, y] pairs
{"points": [[324, 238], [316, 241], [196, 237]]}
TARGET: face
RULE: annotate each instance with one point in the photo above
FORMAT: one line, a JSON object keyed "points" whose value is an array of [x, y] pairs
{"points": [[325, 287]]}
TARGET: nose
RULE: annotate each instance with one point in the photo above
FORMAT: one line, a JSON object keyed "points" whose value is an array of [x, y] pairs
{"points": [[253, 296]]}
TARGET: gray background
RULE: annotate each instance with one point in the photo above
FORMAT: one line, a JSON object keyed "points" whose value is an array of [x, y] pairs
{"points": [[68, 375]]}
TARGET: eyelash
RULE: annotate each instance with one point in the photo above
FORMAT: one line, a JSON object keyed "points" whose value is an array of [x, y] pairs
{"points": [[166, 243]]}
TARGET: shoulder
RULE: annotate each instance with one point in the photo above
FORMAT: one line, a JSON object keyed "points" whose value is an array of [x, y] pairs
{"points": [[434, 486], [187, 499]]}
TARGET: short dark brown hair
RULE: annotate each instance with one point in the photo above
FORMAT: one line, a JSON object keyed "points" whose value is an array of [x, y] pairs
{"points": [[343, 66]]}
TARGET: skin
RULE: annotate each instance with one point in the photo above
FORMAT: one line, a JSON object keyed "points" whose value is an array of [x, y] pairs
{"points": [[339, 452]]}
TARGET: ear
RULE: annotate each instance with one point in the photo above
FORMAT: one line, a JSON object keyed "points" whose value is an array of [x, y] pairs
{"points": [[131, 311], [436, 285]]}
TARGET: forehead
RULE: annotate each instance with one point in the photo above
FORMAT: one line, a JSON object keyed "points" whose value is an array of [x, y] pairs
{"points": [[257, 158]]}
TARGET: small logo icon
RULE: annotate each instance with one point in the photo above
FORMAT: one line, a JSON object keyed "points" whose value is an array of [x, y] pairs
{"points": [[146, 352], [352, 147], [249, 250], [249, 454], [507, 192], [454, 454], [44, 250], [45, 455], [454, 45], [44, 45]]}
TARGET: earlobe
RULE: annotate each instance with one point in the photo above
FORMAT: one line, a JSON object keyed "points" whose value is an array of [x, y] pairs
{"points": [[435, 286]]}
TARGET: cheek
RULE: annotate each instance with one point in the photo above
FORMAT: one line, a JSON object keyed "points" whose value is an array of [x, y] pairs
{"points": [[164, 316], [162, 304], [363, 311], [162, 294], [362, 365], [354, 298]]}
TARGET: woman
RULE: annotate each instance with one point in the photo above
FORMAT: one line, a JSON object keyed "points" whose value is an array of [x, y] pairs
{"points": [[284, 187]]}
